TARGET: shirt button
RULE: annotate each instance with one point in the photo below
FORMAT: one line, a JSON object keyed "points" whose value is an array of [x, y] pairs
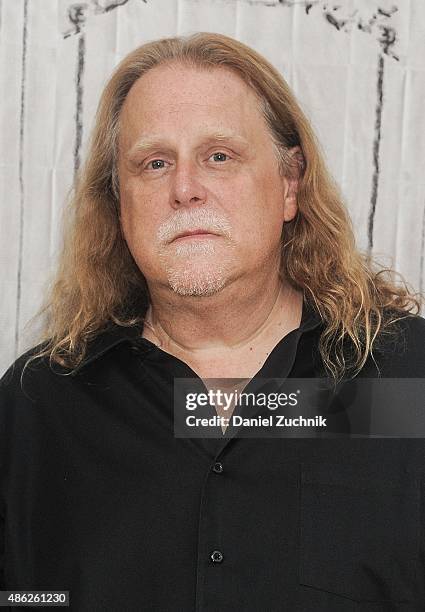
{"points": [[218, 467], [216, 556]]}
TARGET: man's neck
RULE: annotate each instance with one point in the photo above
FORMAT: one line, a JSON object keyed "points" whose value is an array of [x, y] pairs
{"points": [[231, 321]]}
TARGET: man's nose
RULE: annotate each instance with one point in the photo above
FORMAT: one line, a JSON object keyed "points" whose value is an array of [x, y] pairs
{"points": [[187, 186]]}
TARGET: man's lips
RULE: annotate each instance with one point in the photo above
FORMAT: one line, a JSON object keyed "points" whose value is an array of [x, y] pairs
{"points": [[193, 233]]}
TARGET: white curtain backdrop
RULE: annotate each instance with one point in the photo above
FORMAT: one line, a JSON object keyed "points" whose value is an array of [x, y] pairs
{"points": [[356, 66]]}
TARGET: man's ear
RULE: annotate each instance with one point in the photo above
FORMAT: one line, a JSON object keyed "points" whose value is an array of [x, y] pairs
{"points": [[291, 183]]}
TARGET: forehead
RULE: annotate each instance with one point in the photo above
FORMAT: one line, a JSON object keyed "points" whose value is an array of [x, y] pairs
{"points": [[174, 97]]}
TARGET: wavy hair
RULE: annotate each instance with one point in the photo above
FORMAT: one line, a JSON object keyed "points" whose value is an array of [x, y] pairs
{"points": [[98, 282]]}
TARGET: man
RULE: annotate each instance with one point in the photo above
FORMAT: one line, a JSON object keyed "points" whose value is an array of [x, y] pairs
{"points": [[207, 241]]}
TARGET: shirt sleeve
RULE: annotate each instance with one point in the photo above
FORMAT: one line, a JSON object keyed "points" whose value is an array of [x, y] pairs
{"points": [[2, 478], [2, 585], [5, 383], [16, 392], [8, 387]]}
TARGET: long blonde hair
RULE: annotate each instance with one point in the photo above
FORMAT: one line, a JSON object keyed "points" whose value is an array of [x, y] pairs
{"points": [[98, 282]]}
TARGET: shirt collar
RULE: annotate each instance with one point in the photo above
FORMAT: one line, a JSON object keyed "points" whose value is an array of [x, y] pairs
{"points": [[117, 334], [106, 339]]}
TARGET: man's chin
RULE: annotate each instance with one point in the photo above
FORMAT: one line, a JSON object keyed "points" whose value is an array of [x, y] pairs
{"points": [[188, 283]]}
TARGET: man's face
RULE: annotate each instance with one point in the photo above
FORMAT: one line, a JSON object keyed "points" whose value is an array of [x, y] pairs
{"points": [[195, 153]]}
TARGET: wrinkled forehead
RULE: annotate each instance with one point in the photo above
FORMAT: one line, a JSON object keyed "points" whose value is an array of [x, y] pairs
{"points": [[170, 98]]}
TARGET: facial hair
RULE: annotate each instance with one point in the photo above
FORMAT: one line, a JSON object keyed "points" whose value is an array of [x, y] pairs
{"points": [[195, 267]]}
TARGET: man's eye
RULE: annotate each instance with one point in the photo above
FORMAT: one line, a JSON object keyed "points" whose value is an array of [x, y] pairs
{"points": [[219, 156], [156, 164], [159, 164]]}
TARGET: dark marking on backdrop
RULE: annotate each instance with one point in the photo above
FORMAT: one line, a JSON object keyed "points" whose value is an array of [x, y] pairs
{"points": [[337, 23], [77, 15], [77, 12], [79, 102], [376, 149], [108, 5], [21, 176]]}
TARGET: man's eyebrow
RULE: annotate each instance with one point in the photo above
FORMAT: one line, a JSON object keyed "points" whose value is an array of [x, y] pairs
{"points": [[147, 143]]}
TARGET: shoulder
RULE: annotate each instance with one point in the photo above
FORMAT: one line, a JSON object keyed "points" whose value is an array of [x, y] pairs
{"points": [[400, 350], [25, 374], [10, 379], [31, 393], [39, 375], [18, 402], [414, 328]]}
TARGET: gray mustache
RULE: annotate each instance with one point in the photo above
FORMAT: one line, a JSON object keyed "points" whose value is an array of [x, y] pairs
{"points": [[206, 220]]}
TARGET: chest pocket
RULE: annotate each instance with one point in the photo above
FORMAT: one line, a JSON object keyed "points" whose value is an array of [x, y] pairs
{"points": [[359, 533]]}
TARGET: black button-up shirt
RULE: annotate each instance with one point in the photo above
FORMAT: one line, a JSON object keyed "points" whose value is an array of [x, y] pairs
{"points": [[98, 497]]}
